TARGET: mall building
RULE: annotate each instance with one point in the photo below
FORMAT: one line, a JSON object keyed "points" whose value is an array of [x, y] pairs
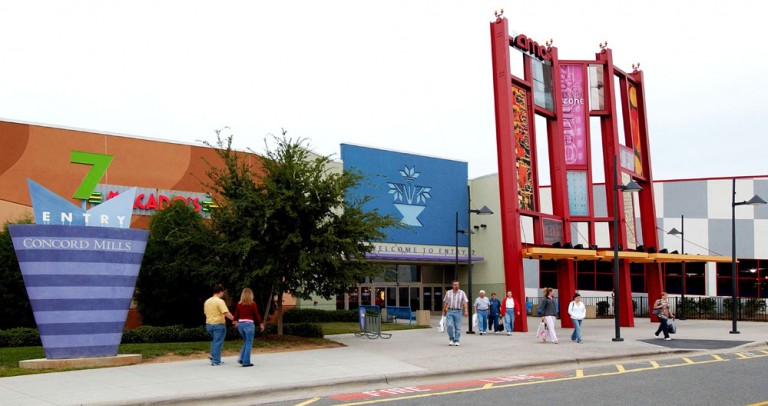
{"points": [[446, 224]]}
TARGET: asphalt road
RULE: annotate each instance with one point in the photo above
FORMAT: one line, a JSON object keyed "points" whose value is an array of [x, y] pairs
{"points": [[736, 378]]}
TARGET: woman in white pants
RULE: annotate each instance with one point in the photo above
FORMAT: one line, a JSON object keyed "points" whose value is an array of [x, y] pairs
{"points": [[549, 313]]}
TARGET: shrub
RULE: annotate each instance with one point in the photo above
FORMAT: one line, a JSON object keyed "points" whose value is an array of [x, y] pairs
{"points": [[20, 337], [602, 308], [319, 316]]}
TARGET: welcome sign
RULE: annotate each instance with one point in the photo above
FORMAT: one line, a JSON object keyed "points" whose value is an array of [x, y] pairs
{"points": [[80, 269]]}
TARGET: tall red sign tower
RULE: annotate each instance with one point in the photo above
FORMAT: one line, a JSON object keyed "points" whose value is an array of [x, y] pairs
{"points": [[577, 101]]}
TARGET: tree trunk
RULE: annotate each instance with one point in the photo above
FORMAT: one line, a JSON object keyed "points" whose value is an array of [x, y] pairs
{"points": [[280, 313]]}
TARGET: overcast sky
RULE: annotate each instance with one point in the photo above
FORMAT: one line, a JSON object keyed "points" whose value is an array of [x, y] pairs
{"points": [[411, 76]]}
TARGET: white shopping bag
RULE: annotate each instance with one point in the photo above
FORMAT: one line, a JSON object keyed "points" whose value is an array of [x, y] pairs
{"points": [[474, 321], [541, 332], [441, 325]]}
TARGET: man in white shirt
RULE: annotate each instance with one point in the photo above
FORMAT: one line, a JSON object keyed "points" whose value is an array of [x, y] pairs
{"points": [[454, 301], [482, 305]]}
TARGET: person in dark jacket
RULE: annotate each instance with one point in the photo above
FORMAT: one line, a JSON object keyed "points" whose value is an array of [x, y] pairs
{"points": [[549, 313]]}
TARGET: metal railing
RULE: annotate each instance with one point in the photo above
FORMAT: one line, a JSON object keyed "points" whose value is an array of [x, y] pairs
{"points": [[709, 308]]}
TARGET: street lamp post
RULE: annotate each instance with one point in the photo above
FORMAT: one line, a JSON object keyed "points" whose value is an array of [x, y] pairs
{"points": [[630, 187], [754, 201], [482, 211], [681, 233]]}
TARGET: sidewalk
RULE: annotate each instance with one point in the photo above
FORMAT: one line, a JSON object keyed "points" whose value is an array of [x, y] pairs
{"points": [[412, 353]]}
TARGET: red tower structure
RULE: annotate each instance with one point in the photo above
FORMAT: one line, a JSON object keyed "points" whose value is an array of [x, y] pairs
{"points": [[568, 95]]}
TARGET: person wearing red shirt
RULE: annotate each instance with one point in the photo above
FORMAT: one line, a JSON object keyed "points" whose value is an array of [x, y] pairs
{"points": [[245, 314]]}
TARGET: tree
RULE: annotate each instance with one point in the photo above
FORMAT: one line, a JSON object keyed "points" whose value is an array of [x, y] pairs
{"points": [[15, 309], [294, 226], [178, 269]]}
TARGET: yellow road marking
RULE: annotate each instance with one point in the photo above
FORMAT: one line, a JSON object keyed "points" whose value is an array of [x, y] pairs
{"points": [[308, 401], [579, 375]]}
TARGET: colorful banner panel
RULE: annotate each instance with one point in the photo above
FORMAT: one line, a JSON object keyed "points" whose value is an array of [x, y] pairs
{"points": [[634, 121], [574, 114], [578, 199], [520, 118]]}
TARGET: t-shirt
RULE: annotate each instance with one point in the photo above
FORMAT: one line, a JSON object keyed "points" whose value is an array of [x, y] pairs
{"points": [[214, 309], [482, 303]]}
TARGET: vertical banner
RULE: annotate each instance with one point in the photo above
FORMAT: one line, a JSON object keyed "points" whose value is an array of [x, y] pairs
{"points": [[574, 114], [634, 121], [520, 118]]}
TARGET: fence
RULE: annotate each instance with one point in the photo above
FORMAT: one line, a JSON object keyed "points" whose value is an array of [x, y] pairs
{"points": [[711, 308]]}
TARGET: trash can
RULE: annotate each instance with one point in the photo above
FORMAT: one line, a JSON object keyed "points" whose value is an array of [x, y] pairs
{"points": [[422, 317], [591, 312]]}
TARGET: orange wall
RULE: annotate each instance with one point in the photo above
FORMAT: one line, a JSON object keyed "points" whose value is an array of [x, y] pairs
{"points": [[43, 155]]}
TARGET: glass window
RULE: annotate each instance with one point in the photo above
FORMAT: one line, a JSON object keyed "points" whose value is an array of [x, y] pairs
{"points": [[596, 88], [542, 84]]}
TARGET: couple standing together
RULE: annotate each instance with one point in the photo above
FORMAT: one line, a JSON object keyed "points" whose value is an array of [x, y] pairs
{"points": [[455, 305], [216, 313]]}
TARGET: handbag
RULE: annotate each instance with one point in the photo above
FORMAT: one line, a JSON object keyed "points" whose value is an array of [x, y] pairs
{"points": [[655, 312], [671, 327]]}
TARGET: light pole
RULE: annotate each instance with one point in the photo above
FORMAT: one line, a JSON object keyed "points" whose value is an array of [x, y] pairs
{"points": [[754, 201], [630, 187], [482, 211], [681, 233]]}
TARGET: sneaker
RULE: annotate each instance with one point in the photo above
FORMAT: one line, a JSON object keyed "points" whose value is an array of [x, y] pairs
{"points": [[481, 333], [656, 334], [450, 343], [495, 332], [457, 343], [667, 339], [215, 365], [247, 365], [508, 333], [578, 342]]}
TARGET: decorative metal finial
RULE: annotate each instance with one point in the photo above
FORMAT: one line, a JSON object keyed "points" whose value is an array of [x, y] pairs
{"points": [[499, 14], [636, 67], [603, 45], [549, 43]]}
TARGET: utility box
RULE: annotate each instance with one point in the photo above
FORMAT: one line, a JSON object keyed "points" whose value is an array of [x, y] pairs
{"points": [[591, 311], [422, 317]]}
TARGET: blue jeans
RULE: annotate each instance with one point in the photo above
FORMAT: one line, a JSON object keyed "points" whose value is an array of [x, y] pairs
{"points": [[247, 331], [493, 321], [482, 320], [663, 328], [453, 321], [217, 332], [576, 335], [509, 320]]}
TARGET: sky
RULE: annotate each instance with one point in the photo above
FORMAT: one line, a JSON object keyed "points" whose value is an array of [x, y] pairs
{"points": [[411, 76]]}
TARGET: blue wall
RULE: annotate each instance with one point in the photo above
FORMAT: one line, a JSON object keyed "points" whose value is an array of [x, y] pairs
{"points": [[421, 191]]}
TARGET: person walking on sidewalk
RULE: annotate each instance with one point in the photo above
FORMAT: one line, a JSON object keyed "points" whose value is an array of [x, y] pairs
{"points": [[482, 305], [216, 313], [494, 314], [510, 310], [662, 305], [549, 313], [577, 311], [454, 301], [245, 313]]}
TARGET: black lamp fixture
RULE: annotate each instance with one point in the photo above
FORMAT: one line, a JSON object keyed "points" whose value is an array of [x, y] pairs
{"points": [[632, 186], [681, 233], [754, 201]]}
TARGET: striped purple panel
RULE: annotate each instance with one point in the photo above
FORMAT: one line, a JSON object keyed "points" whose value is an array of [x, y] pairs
{"points": [[80, 282]]}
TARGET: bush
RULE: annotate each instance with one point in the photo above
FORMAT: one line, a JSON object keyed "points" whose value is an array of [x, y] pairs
{"points": [[20, 337], [707, 305], [307, 330], [602, 308], [319, 316]]}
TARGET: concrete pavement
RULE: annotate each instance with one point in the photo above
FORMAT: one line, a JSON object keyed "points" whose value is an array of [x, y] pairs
{"points": [[408, 354]]}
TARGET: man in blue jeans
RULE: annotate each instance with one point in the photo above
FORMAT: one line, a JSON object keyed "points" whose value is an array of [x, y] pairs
{"points": [[215, 324], [453, 302]]}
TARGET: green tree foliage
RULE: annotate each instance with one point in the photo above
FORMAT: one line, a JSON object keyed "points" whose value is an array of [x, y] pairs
{"points": [[178, 269], [15, 310], [290, 223]]}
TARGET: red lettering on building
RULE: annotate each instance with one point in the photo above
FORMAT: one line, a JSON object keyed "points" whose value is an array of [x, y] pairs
{"points": [[151, 202], [137, 203]]}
